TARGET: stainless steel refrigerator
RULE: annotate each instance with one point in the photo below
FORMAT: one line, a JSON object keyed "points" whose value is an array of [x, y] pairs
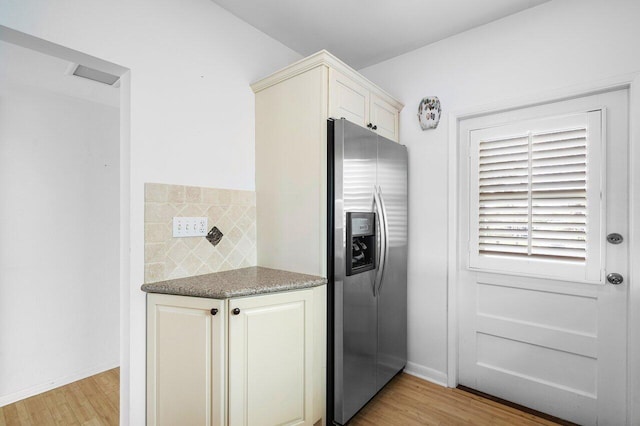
{"points": [[367, 266]]}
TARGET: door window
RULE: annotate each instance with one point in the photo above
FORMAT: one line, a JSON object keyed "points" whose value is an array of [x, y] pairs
{"points": [[535, 197]]}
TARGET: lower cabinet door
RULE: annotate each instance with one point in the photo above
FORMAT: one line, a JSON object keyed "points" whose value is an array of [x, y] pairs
{"points": [[185, 361], [270, 359]]}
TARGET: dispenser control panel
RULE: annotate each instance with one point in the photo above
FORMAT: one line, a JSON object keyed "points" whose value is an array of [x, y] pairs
{"points": [[361, 226], [361, 242]]}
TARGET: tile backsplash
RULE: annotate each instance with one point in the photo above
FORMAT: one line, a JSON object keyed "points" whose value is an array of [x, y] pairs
{"points": [[233, 212]]}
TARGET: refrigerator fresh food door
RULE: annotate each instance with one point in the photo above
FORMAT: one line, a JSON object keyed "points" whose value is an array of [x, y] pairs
{"points": [[392, 287], [355, 310]]}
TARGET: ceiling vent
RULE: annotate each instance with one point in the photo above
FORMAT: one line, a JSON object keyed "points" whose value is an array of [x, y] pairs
{"points": [[95, 75]]}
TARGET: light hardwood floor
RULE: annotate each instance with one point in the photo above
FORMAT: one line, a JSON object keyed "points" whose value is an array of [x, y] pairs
{"points": [[93, 401], [408, 401]]}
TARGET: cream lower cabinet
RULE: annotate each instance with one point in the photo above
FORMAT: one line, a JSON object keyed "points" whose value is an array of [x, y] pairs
{"points": [[269, 351], [258, 361], [186, 360]]}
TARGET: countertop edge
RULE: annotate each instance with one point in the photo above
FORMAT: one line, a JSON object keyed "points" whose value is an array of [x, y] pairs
{"points": [[250, 281], [149, 288]]}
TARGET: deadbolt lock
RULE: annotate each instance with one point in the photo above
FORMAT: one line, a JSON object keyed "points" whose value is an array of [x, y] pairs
{"points": [[615, 278], [614, 238]]}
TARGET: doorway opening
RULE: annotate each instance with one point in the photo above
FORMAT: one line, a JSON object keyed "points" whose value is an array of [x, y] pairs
{"points": [[61, 228]]}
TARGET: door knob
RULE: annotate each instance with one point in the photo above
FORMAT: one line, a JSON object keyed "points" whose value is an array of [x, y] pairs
{"points": [[370, 125], [615, 278], [236, 311], [214, 311], [615, 238], [374, 128]]}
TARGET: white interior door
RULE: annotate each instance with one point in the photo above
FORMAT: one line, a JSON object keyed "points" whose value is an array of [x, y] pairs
{"points": [[539, 324]]}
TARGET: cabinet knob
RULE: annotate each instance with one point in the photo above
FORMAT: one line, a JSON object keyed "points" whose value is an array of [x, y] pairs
{"points": [[236, 311], [214, 311], [374, 128], [370, 125]]}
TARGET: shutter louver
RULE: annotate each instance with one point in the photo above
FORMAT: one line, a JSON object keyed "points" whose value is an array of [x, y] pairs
{"points": [[559, 194], [504, 196], [533, 195]]}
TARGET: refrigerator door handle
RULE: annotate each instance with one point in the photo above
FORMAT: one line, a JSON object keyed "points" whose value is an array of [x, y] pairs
{"points": [[382, 224], [385, 236]]}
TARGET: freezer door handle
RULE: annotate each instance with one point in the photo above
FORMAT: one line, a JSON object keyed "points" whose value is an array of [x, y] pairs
{"points": [[385, 239], [384, 233], [379, 224]]}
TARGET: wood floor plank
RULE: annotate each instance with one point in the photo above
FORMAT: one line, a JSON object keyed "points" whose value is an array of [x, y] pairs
{"points": [[80, 407], [98, 401], [114, 399], [93, 401], [59, 395], [63, 415], [108, 384], [94, 422], [109, 379], [38, 411], [410, 401], [42, 418], [11, 415], [23, 413], [59, 408], [106, 389]]}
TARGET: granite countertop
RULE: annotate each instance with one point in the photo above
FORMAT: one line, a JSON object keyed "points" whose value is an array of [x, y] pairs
{"points": [[236, 283]]}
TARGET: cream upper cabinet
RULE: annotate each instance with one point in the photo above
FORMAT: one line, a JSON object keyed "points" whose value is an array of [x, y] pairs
{"points": [[186, 361], [384, 117], [292, 108], [348, 99], [270, 346], [358, 104]]}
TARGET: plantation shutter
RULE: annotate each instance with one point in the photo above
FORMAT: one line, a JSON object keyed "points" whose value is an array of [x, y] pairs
{"points": [[535, 197], [504, 196], [559, 194]]}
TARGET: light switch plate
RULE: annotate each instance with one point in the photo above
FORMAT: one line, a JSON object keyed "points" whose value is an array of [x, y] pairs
{"points": [[190, 226]]}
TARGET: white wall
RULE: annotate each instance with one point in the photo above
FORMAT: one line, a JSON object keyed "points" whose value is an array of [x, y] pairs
{"points": [[555, 45], [59, 222], [191, 110]]}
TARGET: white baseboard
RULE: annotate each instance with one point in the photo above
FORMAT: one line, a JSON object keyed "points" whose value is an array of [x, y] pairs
{"points": [[55, 383], [426, 373]]}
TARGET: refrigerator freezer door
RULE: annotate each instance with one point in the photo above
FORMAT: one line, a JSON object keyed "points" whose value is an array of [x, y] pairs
{"points": [[355, 151], [392, 289]]}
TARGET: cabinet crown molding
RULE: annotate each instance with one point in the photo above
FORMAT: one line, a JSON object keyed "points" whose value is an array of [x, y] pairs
{"points": [[323, 58]]}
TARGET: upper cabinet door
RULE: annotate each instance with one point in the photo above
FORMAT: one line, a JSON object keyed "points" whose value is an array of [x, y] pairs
{"points": [[348, 99], [361, 106], [384, 118]]}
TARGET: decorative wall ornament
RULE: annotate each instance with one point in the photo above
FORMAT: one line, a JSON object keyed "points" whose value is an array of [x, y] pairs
{"points": [[429, 112], [214, 236]]}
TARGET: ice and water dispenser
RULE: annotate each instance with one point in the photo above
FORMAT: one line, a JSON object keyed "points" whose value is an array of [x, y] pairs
{"points": [[361, 242]]}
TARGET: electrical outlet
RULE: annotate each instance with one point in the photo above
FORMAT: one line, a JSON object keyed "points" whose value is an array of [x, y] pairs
{"points": [[190, 226]]}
